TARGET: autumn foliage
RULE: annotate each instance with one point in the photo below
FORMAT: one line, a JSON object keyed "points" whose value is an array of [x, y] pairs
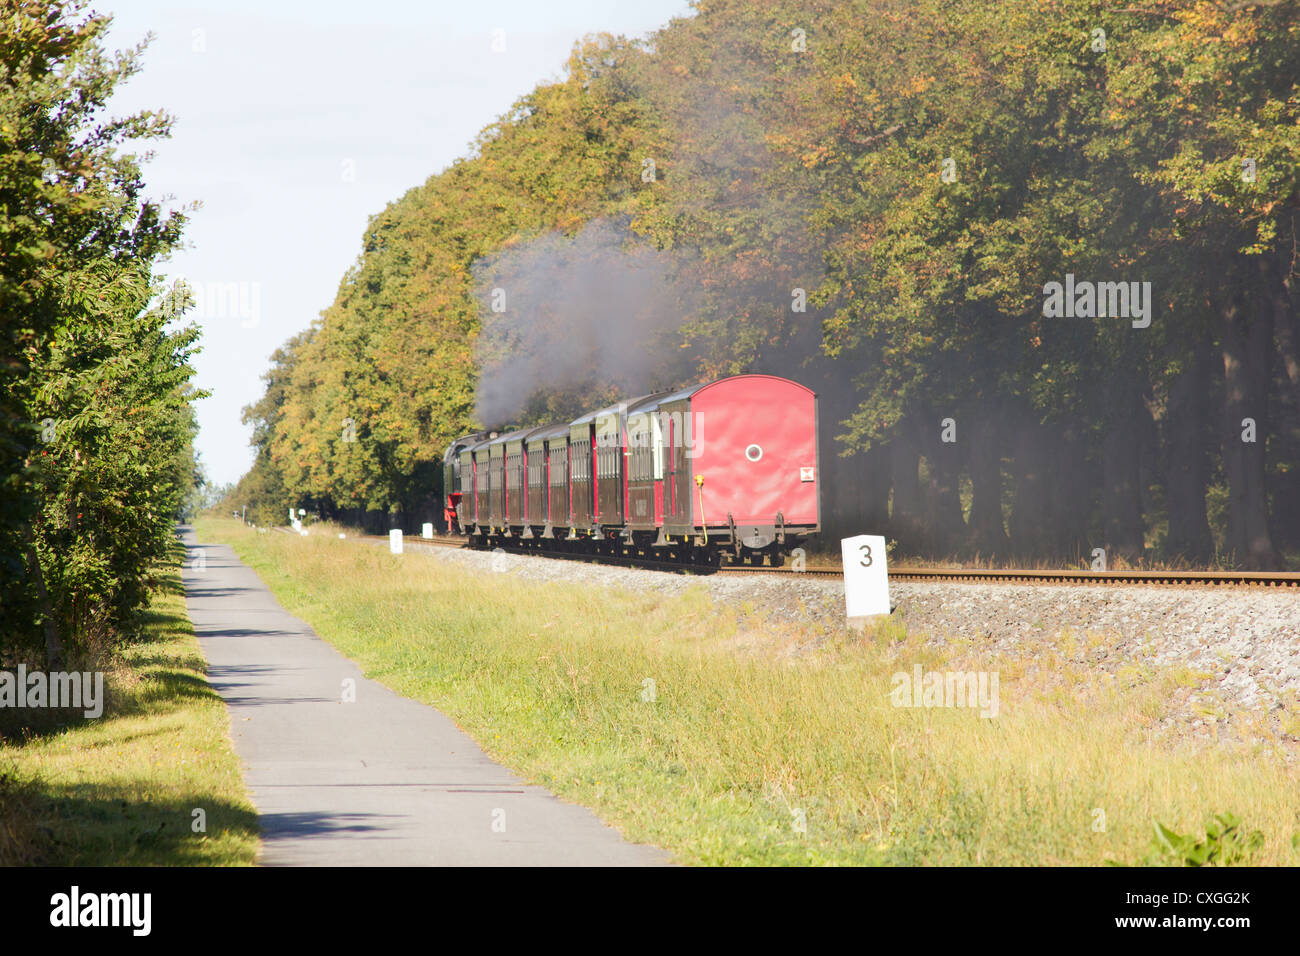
{"points": [[872, 197]]}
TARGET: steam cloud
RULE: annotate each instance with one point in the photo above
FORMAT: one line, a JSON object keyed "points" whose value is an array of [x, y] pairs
{"points": [[595, 308]]}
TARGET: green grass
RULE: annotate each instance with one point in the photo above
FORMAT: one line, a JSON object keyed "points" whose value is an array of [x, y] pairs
{"points": [[122, 790], [754, 728]]}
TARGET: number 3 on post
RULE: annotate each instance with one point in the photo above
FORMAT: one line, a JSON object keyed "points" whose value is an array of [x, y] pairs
{"points": [[866, 578]]}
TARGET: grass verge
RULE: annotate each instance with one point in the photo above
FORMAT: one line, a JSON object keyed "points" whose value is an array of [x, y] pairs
{"points": [[708, 731], [154, 781]]}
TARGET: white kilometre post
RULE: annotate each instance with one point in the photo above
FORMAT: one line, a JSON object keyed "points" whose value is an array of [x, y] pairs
{"points": [[427, 530], [395, 541], [866, 578]]}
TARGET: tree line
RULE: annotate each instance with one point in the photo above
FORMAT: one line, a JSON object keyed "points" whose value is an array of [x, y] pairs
{"points": [[1038, 260], [96, 419]]}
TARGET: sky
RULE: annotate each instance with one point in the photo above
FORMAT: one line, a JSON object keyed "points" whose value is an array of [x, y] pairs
{"points": [[297, 120]]}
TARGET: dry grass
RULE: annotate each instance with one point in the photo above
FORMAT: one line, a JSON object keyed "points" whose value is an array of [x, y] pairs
{"points": [[758, 747], [123, 789]]}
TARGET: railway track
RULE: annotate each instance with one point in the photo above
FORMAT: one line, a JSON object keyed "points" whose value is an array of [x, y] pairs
{"points": [[1278, 579], [1182, 579]]}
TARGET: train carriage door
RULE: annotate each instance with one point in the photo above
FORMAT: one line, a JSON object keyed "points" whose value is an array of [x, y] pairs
{"points": [[624, 466], [672, 466], [521, 471], [657, 450], [564, 481], [593, 508]]}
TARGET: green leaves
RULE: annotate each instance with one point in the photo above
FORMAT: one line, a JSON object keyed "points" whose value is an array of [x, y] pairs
{"points": [[875, 211], [93, 500], [1225, 843]]}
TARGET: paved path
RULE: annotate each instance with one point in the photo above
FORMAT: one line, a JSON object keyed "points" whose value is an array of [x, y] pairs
{"points": [[382, 781]]}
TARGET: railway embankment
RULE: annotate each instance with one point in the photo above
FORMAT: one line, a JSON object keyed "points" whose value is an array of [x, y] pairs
{"points": [[1236, 651]]}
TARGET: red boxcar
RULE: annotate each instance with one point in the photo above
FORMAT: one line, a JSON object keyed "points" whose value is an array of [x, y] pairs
{"points": [[738, 461], [727, 465]]}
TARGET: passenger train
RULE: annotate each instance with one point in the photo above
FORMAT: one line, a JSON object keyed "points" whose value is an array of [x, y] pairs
{"points": [[725, 468]]}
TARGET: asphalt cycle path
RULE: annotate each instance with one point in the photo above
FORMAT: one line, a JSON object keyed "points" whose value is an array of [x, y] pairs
{"points": [[380, 780]]}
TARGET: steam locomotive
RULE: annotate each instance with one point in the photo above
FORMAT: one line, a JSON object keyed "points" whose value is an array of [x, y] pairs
{"points": [[723, 468]]}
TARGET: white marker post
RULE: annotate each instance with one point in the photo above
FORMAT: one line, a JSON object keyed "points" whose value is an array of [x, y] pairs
{"points": [[395, 541], [427, 531], [866, 579]]}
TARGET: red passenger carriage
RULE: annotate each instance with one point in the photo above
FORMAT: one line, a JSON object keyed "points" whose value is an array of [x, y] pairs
{"points": [[727, 466]]}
